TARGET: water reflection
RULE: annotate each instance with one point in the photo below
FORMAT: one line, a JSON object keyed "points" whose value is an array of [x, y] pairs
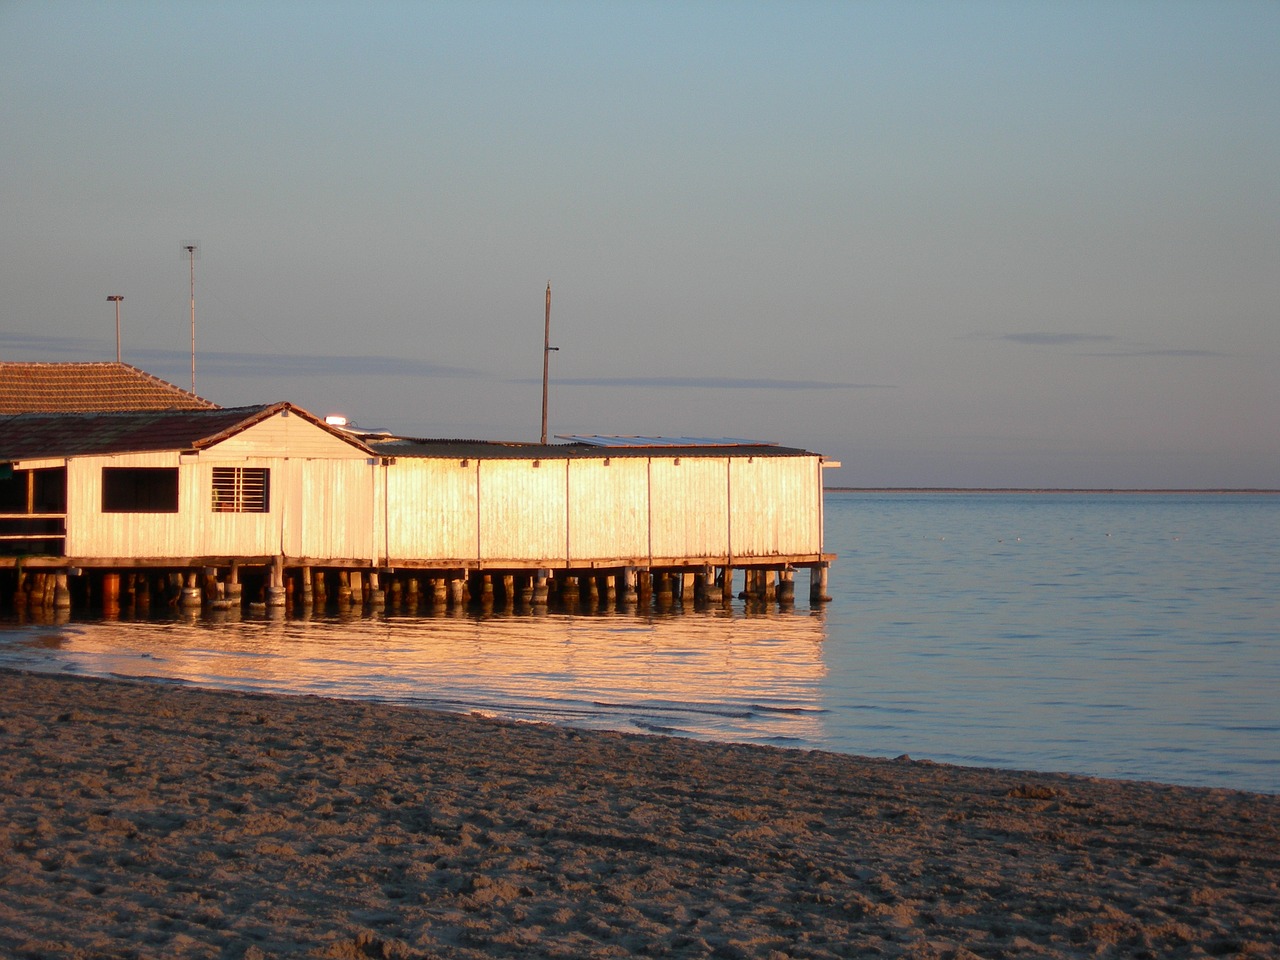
{"points": [[725, 674]]}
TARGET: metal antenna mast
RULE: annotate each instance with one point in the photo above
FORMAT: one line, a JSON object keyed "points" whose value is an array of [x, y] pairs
{"points": [[191, 248], [546, 362], [116, 300]]}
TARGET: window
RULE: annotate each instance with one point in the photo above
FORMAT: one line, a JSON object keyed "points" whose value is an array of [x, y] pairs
{"points": [[33, 491], [241, 490], [139, 489]]}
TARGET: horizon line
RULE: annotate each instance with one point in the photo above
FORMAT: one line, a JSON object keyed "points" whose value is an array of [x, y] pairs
{"points": [[947, 489]]}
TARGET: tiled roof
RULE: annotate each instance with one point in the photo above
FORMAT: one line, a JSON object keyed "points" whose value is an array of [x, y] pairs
{"points": [[37, 436], [89, 388]]}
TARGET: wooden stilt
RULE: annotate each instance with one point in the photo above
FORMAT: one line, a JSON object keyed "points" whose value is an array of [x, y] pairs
{"points": [[308, 591], [644, 586], [818, 584], [61, 595], [233, 588], [786, 587], [111, 594], [192, 594], [275, 586]]}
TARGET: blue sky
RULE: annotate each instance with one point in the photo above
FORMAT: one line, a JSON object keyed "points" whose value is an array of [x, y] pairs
{"points": [[972, 244]]}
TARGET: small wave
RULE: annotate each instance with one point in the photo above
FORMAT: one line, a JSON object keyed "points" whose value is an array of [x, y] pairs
{"points": [[765, 708], [651, 727], [151, 678]]}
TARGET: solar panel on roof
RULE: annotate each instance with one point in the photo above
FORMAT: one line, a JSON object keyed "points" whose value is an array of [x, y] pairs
{"points": [[603, 441]]}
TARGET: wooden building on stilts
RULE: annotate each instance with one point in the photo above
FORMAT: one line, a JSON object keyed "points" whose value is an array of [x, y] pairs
{"points": [[172, 499]]}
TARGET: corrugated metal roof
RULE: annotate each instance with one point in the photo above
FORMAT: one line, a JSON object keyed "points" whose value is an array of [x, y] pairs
{"points": [[89, 388], [497, 450], [607, 441], [44, 435]]}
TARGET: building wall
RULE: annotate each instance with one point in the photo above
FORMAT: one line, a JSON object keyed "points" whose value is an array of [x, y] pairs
{"points": [[608, 509], [321, 501], [344, 507], [286, 435], [690, 503], [523, 510], [618, 510], [434, 509], [775, 506]]}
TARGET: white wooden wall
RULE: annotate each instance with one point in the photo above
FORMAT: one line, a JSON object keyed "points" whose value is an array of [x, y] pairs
{"points": [[330, 502]]}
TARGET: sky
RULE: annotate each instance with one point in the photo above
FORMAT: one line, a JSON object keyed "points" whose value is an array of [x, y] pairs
{"points": [[975, 244]]}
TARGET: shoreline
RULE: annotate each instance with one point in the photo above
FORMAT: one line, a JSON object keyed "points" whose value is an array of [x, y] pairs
{"points": [[162, 820], [1100, 491]]}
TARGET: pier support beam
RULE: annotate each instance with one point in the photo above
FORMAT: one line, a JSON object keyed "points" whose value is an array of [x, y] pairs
{"points": [[192, 596], [726, 585], [818, 584], [786, 587], [111, 594], [61, 595], [275, 588], [663, 592]]}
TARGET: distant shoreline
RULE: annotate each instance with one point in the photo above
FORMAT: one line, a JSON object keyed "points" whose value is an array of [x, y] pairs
{"points": [[1230, 491]]}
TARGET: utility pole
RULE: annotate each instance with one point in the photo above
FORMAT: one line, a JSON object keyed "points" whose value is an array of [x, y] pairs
{"points": [[546, 362], [116, 300], [191, 255]]}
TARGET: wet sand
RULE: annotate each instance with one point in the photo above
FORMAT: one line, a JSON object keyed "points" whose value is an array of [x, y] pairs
{"points": [[150, 820]]}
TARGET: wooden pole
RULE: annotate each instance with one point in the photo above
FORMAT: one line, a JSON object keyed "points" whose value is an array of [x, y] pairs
{"points": [[546, 362]]}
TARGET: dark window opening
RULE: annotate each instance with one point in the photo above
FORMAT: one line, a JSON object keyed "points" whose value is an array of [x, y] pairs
{"points": [[241, 490], [139, 489], [33, 491]]}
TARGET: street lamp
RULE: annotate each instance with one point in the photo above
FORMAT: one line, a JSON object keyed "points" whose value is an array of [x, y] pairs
{"points": [[116, 300]]}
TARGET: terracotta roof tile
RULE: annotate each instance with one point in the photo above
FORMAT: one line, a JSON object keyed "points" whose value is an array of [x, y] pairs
{"points": [[89, 388]]}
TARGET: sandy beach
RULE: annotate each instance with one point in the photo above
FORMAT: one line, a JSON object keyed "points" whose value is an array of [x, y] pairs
{"points": [[151, 820]]}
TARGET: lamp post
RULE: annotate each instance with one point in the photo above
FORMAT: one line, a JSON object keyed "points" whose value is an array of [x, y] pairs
{"points": [[116, 300], [191, 249]]}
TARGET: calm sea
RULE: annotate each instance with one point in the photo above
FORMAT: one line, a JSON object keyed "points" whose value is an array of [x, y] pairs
{"points": [[1126, 635]]}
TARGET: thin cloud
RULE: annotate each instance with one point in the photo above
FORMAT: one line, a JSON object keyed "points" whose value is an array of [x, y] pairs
{"points": [[232, 364], [255, 365], [1156, 353], [1120, 348], [712, 383], [1049, 339], [36, 343]]}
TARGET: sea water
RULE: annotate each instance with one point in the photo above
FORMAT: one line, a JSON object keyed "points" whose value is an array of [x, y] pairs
{"points": [[1115, 635]]}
